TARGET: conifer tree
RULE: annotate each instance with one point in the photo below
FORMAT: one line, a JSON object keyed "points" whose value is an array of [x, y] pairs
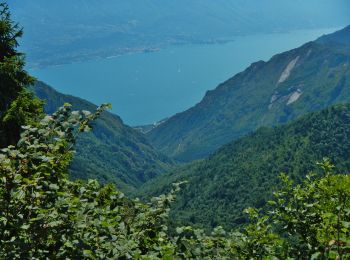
{"points": [[18, 106]]}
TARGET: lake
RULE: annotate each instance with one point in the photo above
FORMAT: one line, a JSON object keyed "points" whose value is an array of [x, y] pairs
{"points": [[147, 87]]}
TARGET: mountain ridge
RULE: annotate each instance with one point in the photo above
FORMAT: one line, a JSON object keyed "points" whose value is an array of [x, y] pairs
{"points": [[287, 86], [340, 37], [244, 173], [112, 152]]}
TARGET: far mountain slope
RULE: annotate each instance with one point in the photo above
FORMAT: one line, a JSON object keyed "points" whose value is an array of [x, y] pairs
{"points": [[289, 85], [112, 152], [64, 31], [244, 173], [341, 37]]}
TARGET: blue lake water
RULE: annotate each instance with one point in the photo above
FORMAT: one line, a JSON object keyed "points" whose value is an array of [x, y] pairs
{"points": [[146, 87]]}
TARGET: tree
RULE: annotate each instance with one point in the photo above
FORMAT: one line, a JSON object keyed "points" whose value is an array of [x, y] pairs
{"points": [[14, 81], [44, 215], [314, 216]]}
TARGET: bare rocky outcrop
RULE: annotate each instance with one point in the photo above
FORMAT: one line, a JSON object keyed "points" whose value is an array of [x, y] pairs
{"points": [[286, 73]]}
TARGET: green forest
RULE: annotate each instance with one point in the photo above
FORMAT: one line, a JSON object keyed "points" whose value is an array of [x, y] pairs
{"points": [[216, 193], [113, 152], [293, 204]]}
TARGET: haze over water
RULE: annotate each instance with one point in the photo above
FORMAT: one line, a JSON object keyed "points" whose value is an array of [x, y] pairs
{"points": [[146, 87]]}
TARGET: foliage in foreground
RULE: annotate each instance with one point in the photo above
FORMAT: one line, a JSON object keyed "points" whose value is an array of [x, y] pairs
{"points": [[45, 215]]}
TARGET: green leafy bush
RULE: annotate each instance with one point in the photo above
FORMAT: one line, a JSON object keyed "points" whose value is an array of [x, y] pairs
{"points": [[43, 214], [315, 215]]}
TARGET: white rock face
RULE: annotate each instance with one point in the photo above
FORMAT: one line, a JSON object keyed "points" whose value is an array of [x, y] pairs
{"points": [[294, 97], [286, 73]]}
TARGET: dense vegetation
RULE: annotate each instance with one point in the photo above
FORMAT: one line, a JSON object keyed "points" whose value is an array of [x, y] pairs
{"points": [[291, 84], [112, 152], [45, 215], [245, 172]]}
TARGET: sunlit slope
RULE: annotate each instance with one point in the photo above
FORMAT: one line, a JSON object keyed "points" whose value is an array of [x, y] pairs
{"points": [[289, 85], [245, 172]]}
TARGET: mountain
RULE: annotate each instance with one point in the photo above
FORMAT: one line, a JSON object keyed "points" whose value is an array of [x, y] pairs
{"points": [[112, 152], [65, 31], [338, 38], [245, 172], [289, 85]]}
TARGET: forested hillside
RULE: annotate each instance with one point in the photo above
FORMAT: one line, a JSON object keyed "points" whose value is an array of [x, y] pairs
{"points": [[245, 172], [45, 214], [289, 85], [112, 152]]}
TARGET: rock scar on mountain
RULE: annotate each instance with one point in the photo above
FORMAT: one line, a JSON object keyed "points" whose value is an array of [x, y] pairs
{"points": [[286, 73], [294, 96]]}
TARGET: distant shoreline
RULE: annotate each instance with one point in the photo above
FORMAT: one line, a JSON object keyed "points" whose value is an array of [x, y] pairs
{"points": [[119, 52], [144, 88], [42, 65]]}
